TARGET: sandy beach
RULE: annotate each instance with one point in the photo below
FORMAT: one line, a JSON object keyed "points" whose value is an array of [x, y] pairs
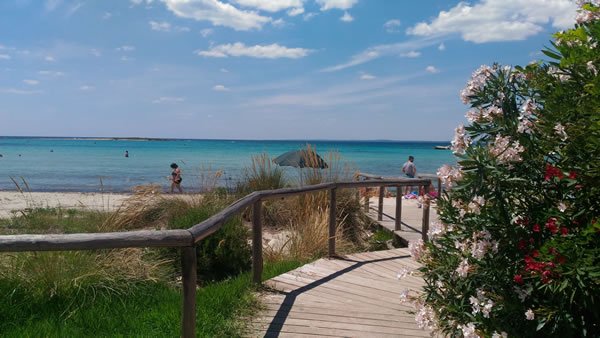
{"points": [[13, 201]]}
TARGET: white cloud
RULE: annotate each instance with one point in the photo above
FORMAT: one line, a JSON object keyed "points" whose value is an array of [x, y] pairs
{"points": [[5, 57], [347, 17], [106, 15], [442, 47], [169, 99], [499, 20], [295, 11], [336, 4], [206, 32], [273, 51], [391, 26], [95, 52], [87, 88], [411, 54], [223, 70], [139, 2], [49, 58], [367, 76], [125, 48], [51, 73], [432, 70], [19, 91], [278, 23], [220, 88], [160, 26], [376, 52], [126, 58], [166, 27], [31, 82], [270, 5], [218, 13], [74, 8], [309, 16], [52, 4]]}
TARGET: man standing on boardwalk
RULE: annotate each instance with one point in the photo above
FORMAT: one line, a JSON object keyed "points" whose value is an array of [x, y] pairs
{"points": [[410, 170]]}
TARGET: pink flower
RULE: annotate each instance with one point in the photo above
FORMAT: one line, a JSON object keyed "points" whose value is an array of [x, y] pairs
{"points": [[530, 315], [505, 150], [461, 140], [463, 268]]}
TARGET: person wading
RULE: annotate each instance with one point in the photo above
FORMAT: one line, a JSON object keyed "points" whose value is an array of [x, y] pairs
{"points": [[176, 178], [410, 170]]}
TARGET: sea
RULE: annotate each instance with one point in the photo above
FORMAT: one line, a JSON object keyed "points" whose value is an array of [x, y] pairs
{"points": [[99, 164]]}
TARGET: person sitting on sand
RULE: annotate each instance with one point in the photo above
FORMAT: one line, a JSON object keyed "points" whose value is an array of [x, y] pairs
{"points": [[410, 170], [176, 178]]}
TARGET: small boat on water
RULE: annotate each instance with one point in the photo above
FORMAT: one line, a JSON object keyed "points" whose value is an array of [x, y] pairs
{"points": [[442, 147]]}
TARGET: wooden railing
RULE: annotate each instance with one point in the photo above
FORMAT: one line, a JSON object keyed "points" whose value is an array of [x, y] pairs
{"points": [[398, 211], [187, 239]]}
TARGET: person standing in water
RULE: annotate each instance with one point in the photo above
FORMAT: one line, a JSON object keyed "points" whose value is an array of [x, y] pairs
{"points": [[410, 170], [126, 153], [176, 178]]}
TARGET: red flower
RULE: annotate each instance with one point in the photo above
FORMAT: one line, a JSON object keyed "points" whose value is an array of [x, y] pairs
{"points": [[551, 225], [572, 175], [552, 171], [518, 279], [564, 231], [535, 253], [546, 276], [522, 244], [561, 259], [536, 227]]}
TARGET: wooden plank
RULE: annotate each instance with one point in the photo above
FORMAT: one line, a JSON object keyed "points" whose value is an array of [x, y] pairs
{"points": [[332, 222], [347, 294], [330, 310], [318, 324], [92, 241], [257, 243], [328, 317], [188, 271]]}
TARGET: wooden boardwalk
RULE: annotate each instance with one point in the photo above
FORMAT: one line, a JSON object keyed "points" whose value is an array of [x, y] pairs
{"points": [[412, 217], [353, 296]]}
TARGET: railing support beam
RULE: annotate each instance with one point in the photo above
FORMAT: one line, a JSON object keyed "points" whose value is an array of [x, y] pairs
{"points": [[380, 204], [398, 220], [188, 271], [257, 257], [425, 225], [332, 221]]}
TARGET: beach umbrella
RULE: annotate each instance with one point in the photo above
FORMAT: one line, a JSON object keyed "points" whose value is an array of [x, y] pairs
{"points": [[302, 158]]}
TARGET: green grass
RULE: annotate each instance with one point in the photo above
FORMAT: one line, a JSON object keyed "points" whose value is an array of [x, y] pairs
{"points": [[146, 310], [53, 220]]}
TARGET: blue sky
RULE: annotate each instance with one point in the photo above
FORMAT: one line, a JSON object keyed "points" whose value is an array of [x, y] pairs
{"points": [[256, 69]]}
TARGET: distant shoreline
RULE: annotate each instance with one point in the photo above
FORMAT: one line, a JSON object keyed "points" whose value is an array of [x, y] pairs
{"points": [[134, 138]]}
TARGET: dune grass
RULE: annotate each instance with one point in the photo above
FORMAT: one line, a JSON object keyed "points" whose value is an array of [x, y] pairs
{"points": [[147, 309]]}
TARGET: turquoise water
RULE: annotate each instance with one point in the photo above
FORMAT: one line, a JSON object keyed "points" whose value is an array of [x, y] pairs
{"points": [[53, 164]]}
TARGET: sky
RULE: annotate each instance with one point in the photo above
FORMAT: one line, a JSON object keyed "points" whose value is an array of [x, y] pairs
{"points": [[257, 69]]}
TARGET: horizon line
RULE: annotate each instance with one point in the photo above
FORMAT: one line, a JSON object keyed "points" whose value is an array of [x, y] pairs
{"points": [[124, 138]]}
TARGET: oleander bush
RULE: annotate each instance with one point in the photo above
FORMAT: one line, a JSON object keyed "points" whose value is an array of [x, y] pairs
{"points": [[517, 249]]}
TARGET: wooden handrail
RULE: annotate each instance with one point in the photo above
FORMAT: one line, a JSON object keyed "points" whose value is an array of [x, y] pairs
{"points": [[186, 239]]}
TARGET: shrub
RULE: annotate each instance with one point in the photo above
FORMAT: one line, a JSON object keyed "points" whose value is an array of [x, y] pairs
{"points": [[261, 175], [517, 250], [225, 253]]}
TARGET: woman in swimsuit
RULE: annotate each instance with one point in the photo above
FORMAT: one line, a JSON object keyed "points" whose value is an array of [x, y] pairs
{"points": [[176, 178]]}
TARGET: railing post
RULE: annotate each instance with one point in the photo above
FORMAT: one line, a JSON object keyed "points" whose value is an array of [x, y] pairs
{"points": [[380, 206], [425, 225], [332, 221], [257, 258], [188, 271], [439, 192], [367, 198], [398, 221]]}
